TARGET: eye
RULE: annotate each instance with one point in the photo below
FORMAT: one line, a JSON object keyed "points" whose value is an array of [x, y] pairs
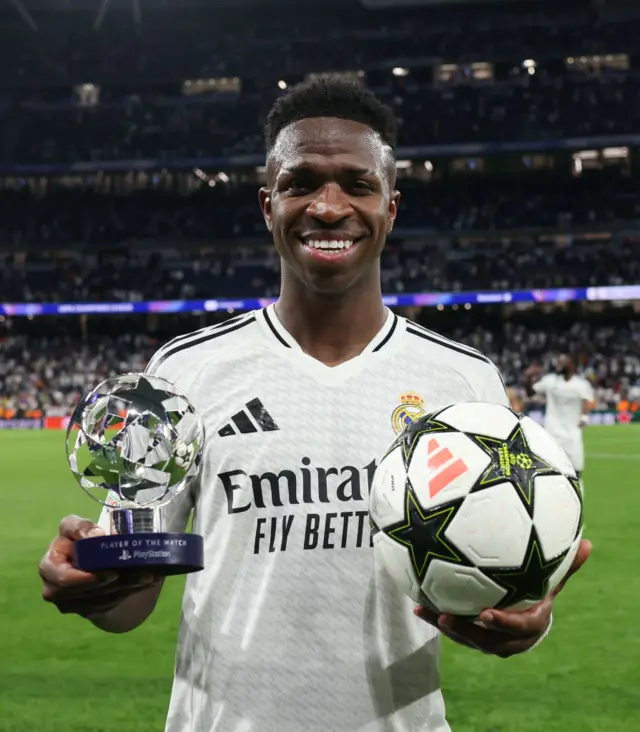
{"points": [[295, 187], [362, 186]]}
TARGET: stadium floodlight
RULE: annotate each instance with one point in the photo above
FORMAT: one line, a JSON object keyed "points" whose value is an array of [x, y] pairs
{"points": [[400, 71], [282, 84]]}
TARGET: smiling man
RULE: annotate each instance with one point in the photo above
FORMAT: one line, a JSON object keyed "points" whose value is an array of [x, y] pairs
{"points": [[290, 626]]}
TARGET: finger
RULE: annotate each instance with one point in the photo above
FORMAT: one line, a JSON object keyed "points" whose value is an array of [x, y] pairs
{"points": [[429, 616], [75, 527], [484, 639], [64, 575], [107, 583], [92, 607], [524, 623], [583, 553]]}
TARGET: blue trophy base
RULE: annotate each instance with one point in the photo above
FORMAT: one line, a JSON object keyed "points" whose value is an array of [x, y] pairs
{"points": [[162, 554]]}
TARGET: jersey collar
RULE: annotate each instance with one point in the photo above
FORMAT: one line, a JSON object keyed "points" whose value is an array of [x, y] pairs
{"points": [[280, 336]]}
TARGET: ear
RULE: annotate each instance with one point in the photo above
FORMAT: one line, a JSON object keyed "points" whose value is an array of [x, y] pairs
{"points": [[264, 197], [394, 201]]}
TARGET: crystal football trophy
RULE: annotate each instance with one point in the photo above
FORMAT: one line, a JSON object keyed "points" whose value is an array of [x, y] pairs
{"points": [[134, 444]]}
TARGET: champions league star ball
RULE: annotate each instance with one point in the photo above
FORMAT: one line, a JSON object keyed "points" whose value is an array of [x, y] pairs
{"points": [[135, 440], [476, 507]]}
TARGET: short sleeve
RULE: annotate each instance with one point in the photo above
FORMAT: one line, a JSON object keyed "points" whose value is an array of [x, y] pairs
{"points": [[586, 391], [542, 386], [492, 387]]}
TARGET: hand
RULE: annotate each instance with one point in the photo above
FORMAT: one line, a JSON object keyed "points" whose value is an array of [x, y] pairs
{"points": [[532, 371], [501, 632], [86, 594]]}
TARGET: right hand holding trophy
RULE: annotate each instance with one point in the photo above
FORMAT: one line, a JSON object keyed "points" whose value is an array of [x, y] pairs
{"points": [[134, 444]]}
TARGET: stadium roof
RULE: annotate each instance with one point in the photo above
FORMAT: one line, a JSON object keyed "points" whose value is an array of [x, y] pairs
{"points": [[29, 10]]}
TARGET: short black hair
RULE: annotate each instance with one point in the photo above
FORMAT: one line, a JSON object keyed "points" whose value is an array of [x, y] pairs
{"points": [[331, 96]]}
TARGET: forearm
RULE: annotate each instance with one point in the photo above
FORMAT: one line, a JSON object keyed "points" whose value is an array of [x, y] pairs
{"points": [[130, 613], [586, 410]]}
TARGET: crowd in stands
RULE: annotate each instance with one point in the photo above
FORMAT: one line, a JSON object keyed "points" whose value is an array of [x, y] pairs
{"points": [[253, 270], [172, 42], [142, 112], [548, 105], [476, 202], [48, 375]]}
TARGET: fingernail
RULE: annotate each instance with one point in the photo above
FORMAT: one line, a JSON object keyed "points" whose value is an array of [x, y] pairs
{"points": [[95, 531], [487, 617]]}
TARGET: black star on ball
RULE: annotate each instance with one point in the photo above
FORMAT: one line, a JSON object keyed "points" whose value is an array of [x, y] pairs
{"points": [[422, 532], [425, 425], [531, 580], [512, 461], [143, 391]]}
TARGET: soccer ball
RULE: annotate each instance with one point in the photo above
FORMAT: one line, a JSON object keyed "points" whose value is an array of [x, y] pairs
{"points": [[476, 507]]}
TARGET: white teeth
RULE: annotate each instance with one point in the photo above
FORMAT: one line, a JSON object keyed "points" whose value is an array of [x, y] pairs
{"points": [[329, 245]]}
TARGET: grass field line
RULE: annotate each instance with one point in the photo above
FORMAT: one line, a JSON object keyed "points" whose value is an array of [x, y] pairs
{"points": [[612, 456]]}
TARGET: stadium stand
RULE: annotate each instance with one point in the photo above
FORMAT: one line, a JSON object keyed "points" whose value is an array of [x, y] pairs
{"points": [[131, 151]]}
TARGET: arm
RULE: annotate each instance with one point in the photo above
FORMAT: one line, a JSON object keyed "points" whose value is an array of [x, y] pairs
{"points": [[587, 403], [131, 612], [533, 384]]}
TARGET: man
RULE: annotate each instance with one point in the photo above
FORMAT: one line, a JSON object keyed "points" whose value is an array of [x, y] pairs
{"points": [[568, 402], [290, 627]]}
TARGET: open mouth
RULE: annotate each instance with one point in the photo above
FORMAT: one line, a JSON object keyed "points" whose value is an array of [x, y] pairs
{"points": [[329, 248]]}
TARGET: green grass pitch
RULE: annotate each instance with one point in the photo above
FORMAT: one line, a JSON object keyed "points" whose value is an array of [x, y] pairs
{"points": [[59, 674]]}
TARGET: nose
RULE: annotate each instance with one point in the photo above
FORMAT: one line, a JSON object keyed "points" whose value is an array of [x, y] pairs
{"points": [[330, 205]]}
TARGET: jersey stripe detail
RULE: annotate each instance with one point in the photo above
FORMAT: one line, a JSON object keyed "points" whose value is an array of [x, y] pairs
{"points": [[204, 339], [273, 329], [159, 355], [449, 345], [387, 338], [437, 338]]}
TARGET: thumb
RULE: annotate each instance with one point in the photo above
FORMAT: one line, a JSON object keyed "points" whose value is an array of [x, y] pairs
{"points": [[74, 527]]}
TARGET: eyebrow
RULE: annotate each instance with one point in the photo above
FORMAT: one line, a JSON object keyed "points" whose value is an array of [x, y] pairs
{"points": [[306, 167]]}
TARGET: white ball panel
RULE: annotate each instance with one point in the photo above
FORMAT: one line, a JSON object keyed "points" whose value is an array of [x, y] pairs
{"points": [[481, 418], [560, 573], [460, 590], [445, 466], [556, 514], [546, 447], [396, 560], [387, 500], [492, 527]]}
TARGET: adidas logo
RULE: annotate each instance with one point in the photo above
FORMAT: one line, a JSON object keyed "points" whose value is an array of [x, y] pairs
{"points": [[446, 467], [262, 421]]}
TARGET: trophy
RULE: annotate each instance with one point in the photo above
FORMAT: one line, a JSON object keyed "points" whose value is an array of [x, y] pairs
{"points": [[134, 444]]}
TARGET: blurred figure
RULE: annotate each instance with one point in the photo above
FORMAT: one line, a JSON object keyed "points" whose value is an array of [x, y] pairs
{"points": [[568, 399]]}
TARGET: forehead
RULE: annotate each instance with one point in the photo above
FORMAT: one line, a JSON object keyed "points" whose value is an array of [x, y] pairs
{"points": [[328, 140]]}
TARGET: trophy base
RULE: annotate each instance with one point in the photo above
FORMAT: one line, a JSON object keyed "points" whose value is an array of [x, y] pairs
{"points": [[159, 553]]}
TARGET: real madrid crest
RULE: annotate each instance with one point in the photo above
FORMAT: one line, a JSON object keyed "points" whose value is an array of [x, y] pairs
{"points": [[410, 409]]}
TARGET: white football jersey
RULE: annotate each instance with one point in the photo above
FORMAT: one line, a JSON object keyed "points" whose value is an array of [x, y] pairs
{"points": [[564, 403], [290, 627]]}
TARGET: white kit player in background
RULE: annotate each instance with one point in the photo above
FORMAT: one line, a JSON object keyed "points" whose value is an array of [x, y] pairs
{"points": [[291, 626], [568, 398]]}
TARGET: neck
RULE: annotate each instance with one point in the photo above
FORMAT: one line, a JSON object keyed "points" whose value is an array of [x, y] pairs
{"points": [[331, 329]]}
